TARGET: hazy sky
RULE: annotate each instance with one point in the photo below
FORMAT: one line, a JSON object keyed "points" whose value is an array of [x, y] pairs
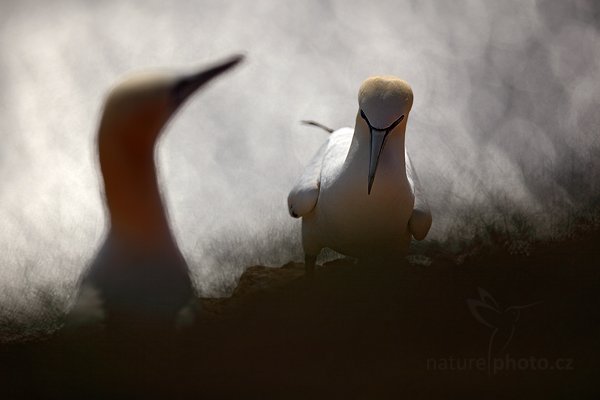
{"points": [[505, 118]]}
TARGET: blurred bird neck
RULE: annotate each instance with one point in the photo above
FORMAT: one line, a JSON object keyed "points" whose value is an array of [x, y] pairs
{"points": [[137, 215]]}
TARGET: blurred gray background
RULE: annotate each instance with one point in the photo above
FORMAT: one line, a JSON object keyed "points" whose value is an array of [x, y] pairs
{"points": [[504, 128]]}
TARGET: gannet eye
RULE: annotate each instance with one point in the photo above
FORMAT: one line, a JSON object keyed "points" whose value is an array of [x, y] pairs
{"points": [[362, 114], [179, 90], [395, 124], [182, 89]]}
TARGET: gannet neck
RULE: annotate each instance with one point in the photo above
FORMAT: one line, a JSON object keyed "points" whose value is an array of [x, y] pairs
{"points": [[133, 198]]}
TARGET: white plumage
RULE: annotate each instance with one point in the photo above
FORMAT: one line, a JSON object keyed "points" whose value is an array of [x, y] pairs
{"points": [[339, 208]]}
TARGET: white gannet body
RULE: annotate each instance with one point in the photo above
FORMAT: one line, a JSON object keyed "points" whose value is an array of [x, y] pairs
{"points": [[360, 195], [139, 275]]}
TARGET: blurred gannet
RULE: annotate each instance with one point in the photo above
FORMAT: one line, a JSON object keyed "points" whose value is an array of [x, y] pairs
{"points": [[139, 275], [360, 194]]}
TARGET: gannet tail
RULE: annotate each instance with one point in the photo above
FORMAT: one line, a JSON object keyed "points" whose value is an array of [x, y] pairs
{"points": [[318, 125]]}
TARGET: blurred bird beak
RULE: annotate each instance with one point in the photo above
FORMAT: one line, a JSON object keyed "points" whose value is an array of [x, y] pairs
{"points": [[187, 85], [377, 143]]}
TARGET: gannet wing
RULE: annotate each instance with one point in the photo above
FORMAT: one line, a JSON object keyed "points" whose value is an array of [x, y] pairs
{"points": [[303, 197], [420, 220]]}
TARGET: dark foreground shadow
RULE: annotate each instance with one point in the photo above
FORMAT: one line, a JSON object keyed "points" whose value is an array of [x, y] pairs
{"points": [[355, 331]]}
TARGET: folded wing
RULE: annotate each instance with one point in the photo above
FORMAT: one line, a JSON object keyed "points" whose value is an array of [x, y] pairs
{"points": [[303, 197], [420, 220]]}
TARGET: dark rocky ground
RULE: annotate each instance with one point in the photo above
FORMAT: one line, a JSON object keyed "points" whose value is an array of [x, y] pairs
{"points": [[395, 330]]}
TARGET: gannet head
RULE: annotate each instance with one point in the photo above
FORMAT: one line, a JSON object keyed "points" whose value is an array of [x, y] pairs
{"points": [[136, 109], [384, 102], [134, 114]]}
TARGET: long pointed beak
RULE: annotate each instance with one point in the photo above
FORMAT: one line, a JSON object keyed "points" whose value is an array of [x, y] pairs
{"points": [[187, 85], [377, 143]]}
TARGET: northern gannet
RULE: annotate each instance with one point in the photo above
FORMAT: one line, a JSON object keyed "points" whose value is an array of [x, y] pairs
{"points": [[139, 274], [360, 194]]}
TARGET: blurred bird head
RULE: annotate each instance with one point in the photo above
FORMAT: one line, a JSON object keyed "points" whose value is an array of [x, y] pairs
{"points": [[384, 102], [135, 113], [138, 108]]}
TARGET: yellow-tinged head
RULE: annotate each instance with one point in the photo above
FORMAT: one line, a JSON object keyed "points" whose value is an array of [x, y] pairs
{"points": [[384, 102]]}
